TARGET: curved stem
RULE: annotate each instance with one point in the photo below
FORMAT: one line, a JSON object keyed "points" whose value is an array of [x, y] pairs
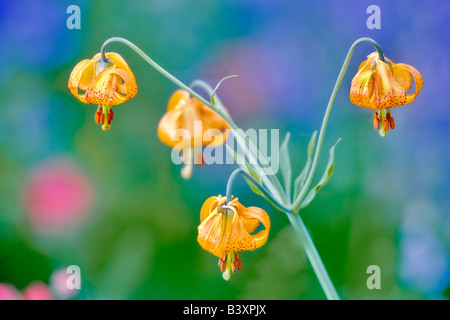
{"points": [[272, 182], [313, 256], [326, 117], [164, 73], [255, 182]]}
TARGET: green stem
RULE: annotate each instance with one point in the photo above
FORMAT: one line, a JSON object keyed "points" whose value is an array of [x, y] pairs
{"points": [[269, 178], [326, 117], [273, 184], [313, 256], [261, 188]]}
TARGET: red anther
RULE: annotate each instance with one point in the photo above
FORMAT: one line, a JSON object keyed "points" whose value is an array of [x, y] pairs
{"points": [[376, 121], [239, 264], [388, 116], [386, 125], [102, 119], [392, 123], [97, 117], [376, 124], [112, 114], [375, 117], [221, 265], [233, 267]]}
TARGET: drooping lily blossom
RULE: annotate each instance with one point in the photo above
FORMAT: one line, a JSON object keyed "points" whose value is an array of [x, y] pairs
{"points": [[381, 86], [105, 84], [226, 229], [188, 125]]}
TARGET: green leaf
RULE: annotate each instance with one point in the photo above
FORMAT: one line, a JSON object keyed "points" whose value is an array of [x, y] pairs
{"points": [[325, 177], [285, 165], [217, 87], [300, 181]]}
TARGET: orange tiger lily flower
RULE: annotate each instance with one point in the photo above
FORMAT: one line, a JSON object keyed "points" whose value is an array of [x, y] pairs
{"points": [[226, 229], [381, 86], [188, 125], [103, 83]]}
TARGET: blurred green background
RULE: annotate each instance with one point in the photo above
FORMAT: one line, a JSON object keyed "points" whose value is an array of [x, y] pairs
{"points": [[114, 204]]}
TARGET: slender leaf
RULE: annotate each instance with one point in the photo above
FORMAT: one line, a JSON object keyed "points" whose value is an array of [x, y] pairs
{"points": [[300, 181], [285, 165], [217, 87], [325, 177]]}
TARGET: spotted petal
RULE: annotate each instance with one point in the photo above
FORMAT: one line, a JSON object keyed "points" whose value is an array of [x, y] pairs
{"points": [[362, 90], [388, 92], [80, 77], [259, 214], [404, 75], [101, 91], [213, 233]]}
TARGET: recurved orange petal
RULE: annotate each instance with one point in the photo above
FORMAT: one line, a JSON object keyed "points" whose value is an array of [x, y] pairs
{"points": [[178, 100], [259, 214], [250, 223], [388, 92], [214, 127], [101, 91], [177, 126], [83, 70], [210, 205], [239, 239], [119, 62], [125, 88], [362, 90], [213, 233], [403, 74]]}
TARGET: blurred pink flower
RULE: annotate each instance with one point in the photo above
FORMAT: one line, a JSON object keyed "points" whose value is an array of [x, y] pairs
{"points": [[58, 194], [37, 291], [9, 292], [58, 283]]}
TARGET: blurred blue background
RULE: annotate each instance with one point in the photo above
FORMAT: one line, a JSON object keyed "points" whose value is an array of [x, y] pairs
{"points": [[114, 204]]}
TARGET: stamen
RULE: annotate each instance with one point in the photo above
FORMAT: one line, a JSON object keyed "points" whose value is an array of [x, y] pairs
{"points": [[376, 121], [386, 125], [105, 118], [238, 261], [233, 267], [392, 123], [222, 263], [239, 264], [226, 274], [98, 114]]}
